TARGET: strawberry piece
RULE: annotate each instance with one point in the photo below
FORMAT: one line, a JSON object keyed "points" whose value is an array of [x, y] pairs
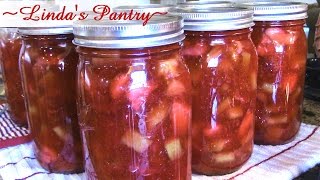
{"points": [[235, 112], [246, 124], [136, 141], [181, 117], [174, 149], [157, 114], [280, 36], [175, 88], [119, 85]]}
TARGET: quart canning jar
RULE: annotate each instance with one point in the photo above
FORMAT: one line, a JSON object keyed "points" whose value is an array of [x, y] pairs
{"points": [[282, 49], [10, 45], [134, 99], [48, 62], [223, 64]]}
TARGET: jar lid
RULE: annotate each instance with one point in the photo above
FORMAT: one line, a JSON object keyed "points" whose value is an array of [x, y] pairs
{"points": [[144, 8], [160, 30], [45, 30], [215, 19], [206, 4], [278, 11]]}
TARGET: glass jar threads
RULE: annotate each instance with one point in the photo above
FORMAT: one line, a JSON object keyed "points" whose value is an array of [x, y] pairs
{"points": [[134, 99], [223, 64]]}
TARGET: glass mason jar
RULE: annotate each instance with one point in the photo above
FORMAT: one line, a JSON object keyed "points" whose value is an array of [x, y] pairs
{"points": [[282, 51], [223, 64], [10, 45], [134, 99], [48, 63]]}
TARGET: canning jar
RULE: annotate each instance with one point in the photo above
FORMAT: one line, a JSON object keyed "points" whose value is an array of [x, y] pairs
{"points": [[48, 63], [134, 99], [10, 45], [282, 51], [222, 61]]}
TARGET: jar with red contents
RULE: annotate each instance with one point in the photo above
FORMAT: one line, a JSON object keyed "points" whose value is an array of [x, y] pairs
{"points": [[134, 99], [48, 63], [10, 45], [282, 49], [223, 64]]}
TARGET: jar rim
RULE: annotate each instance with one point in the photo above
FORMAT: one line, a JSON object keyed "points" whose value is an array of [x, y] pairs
{"points": [[122, 34], [45, 30], [279, 11], [215, 19]]}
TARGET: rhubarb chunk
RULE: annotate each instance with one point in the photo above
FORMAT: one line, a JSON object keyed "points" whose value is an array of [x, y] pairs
{"points": [[136, 141], [174, 149], [246, 59], [235, 112], [157, 114], [217, 145], [61, 133], [224, 158], [279, 119]]}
